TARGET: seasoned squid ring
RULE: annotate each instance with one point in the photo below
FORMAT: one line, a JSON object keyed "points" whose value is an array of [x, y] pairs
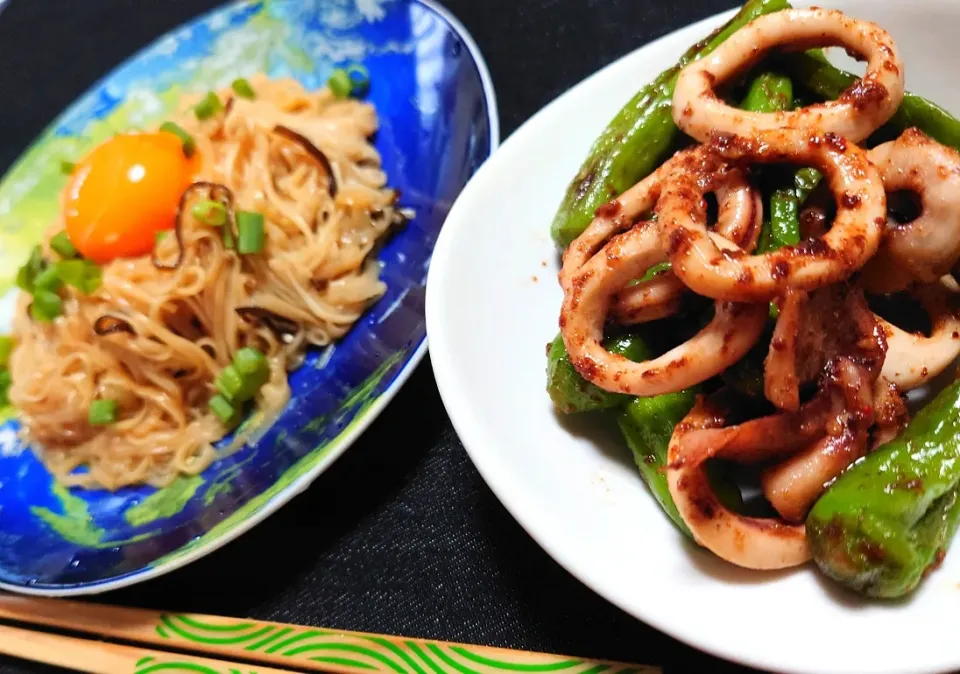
{"points": [[857, 113], [926, 248], [850, 242], [588, 295], [749, 542], [914, 359], [793, 486], [739, 219]]}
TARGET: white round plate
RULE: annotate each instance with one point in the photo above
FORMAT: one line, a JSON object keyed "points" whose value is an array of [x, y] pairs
{"points": [[492, 306]]}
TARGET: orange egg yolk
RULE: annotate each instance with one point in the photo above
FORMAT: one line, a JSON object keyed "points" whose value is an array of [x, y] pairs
{"points": [[125, 192]]}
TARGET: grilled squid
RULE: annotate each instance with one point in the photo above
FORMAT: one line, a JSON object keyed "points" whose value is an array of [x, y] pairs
{"points": [[849, 243], [913, 359], [750, 542], [857, 113], [589, 293], [740, 219], [927, 247]]}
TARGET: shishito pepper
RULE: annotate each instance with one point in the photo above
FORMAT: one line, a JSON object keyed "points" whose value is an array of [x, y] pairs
{"points": [[647, 425], [814, 72], [571, 393], [769, 92], [886, 522], [773, 92]]}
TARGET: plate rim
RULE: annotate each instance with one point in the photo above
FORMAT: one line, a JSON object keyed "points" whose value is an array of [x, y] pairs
{"points": [[339, 445]]}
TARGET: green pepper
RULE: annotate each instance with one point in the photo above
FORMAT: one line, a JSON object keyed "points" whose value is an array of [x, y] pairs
{"points": [[804, 182], [783, 227], [773, 92], [886, 522], [639, 137], [769, 92], [647, 425], [813, 71], [571, 393]]}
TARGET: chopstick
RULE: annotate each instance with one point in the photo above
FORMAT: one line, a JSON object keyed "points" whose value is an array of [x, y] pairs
{"points": [[103, 658], [292, 646]]}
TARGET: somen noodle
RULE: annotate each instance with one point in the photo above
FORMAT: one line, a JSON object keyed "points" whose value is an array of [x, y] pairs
{"points": [[154, 336]]}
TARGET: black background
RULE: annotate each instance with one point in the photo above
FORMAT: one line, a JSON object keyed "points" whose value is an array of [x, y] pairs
{"points": [[400, 539]]}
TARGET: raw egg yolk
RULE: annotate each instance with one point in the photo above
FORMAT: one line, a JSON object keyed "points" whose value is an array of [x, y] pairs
{"points": [[125, 192]]}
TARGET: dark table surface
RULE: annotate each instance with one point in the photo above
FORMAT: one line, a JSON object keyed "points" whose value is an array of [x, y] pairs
{"points": [[424, 548]]}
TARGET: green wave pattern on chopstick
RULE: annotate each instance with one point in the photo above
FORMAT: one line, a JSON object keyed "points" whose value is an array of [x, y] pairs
{"points": [[152, 665], [366, 653]]}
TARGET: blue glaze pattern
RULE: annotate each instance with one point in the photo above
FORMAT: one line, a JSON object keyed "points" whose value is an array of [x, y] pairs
{"points": [[438, 124]]}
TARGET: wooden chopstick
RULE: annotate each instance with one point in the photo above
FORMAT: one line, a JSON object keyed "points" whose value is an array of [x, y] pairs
{"points": [[98, 657], [287, 645]]}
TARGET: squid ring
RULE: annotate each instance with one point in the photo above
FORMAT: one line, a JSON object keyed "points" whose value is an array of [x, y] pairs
{"points": [[850, 242], [749, 542], [857, 113], [926, 248], [588, 297], [740, 218], [913, 359], [659, 297], [662, 296]]}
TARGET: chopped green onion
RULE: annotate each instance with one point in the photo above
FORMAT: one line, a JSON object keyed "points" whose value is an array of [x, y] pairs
{"points": [[84, 275], [250, 361], [93, 278], [249, 232], [224, 409], [242, 88], [208, 107], [340, 83], [67, 167], [6, 380], [6, 348], [72, 272], [253, 366], [102, 412], [210, 212], [48, 279], [245, 376], [63, 246], [189, 144], [24, 282], [233, 385], [359, 80], [159, 236], [27, 274], [351, 81], [46, 306]]}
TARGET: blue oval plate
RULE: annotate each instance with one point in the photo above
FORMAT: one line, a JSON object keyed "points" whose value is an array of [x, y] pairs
{"points": [[438, 123]]}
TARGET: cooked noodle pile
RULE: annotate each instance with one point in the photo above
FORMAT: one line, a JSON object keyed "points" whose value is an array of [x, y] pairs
{"points": [[160, 328]]}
